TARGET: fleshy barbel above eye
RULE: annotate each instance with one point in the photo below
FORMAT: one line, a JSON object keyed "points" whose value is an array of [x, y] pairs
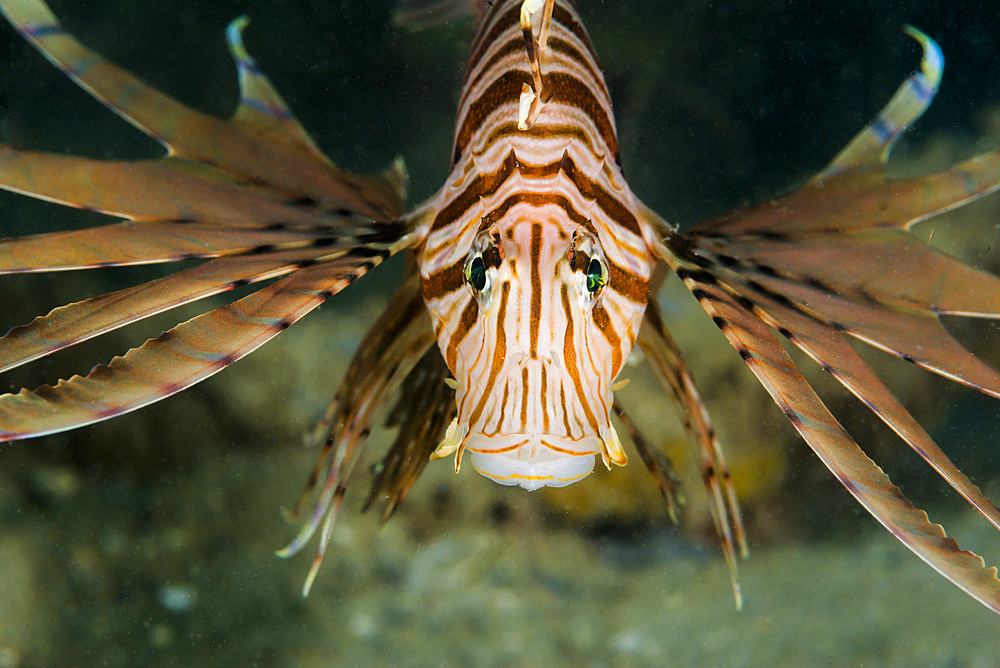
{"points": [[481, 265], [589, 266]]}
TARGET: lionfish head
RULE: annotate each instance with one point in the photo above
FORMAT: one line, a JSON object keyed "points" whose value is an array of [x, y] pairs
{"points": [[535, 338]]}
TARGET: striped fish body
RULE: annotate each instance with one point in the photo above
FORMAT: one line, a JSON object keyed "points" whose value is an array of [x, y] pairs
{"points": [[535, 273]]}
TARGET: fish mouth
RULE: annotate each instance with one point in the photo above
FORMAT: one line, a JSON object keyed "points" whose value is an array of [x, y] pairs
{"points": [[532, 461]]}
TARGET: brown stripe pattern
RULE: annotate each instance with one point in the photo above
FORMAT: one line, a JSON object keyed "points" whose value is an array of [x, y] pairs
{"points": [[535, 352]]}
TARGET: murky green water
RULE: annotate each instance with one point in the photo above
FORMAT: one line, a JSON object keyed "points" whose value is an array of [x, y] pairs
{"points": [[149, 540]]}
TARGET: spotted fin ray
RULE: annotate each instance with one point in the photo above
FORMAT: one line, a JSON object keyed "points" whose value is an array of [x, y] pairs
{"points": [[175, 360], [664, 356], [398, 341], [838, 451]]}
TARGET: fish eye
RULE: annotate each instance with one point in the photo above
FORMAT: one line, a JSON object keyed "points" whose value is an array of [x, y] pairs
{"points": [[586, 260], [475, 272], [597, 275], [480, 265]]}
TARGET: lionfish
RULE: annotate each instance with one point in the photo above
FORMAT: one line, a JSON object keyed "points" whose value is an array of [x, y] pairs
{"points": [[534, 269]]}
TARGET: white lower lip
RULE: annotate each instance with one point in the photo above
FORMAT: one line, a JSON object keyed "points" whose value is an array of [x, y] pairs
{"points": [[532, 461]]}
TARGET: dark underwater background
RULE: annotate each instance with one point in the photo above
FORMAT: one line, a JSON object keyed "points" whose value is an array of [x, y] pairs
{"points": [[150, 539]]}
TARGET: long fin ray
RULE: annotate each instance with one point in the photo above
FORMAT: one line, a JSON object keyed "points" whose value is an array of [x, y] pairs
{"points": [[261, 107], [424, 407], [915, 337], [838, 249], [831, 351], [667, 362], [833, 204], [872, 146], [77, 322], [836, 258], [398, 341], [658, 465], [129, 243], [934, 282], [664, 356], [167, 189], [177, 359], [913, 334]]}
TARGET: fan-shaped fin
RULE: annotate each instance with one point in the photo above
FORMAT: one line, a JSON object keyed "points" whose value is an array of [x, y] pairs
{"points": [[909, 334], [833, 204], [837, 250], [835, 258], [829, 261], [252, 188]]}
